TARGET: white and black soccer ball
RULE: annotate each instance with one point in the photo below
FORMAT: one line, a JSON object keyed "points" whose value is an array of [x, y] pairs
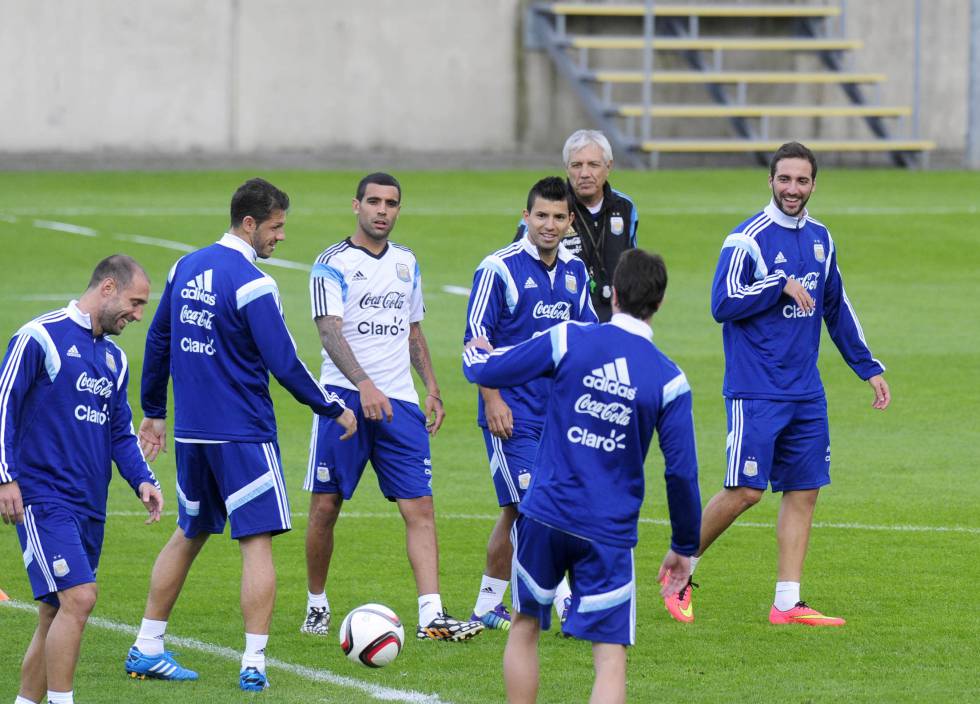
{"points": [[372, 635]]}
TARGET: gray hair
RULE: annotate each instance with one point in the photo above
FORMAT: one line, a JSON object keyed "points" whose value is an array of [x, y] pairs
{"points": [[583, 138]]}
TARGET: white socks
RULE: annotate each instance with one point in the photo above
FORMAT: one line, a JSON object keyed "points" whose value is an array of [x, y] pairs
{"points": [[562, 591], [787, 594], [491, 593], [317, 600], [254, 655], [61, 697], [694, 562], [22, 700], [430, 606], [150, 638]]}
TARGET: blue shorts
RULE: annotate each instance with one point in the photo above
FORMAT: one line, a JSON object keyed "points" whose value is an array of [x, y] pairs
{"points": [[601, 576], [782, 443], [61, 549], [399, 452], [511, 462], [240, 481]]}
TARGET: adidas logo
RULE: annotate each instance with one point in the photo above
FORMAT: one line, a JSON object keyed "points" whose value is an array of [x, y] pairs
{"points": [[612, 377], [358, 276], [73, 352], [199, 288], [780, 259], [487, 590], [530, 283]]}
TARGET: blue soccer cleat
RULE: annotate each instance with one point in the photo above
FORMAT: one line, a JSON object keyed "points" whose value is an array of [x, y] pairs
{"points": [[157, 667], [251, 680], [497, 618]]}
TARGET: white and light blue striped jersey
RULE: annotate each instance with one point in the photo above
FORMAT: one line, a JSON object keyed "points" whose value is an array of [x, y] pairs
{"points": [[514, 297], [612, 389], [219, 331], [378, 296], [771, 344], [64, 414]]}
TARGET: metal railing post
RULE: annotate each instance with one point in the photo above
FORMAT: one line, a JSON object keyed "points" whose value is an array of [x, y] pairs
{"points": [[649, 20]]}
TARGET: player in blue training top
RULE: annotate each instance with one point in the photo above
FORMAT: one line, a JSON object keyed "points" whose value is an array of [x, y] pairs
{"points": [[64, 419], [219, 332], [518, 292], [366, 294], [612, 389], [777, 279]]}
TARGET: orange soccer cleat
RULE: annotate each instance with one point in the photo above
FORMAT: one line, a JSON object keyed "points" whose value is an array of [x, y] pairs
{"points": [[801, 613], [679, 605]]}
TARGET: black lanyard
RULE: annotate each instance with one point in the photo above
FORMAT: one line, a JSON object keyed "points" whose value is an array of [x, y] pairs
{"points": [[597, 241]]}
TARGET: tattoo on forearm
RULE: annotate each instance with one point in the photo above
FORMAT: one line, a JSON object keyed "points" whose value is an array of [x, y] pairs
{"points": [[418, 352], [333, 341]]}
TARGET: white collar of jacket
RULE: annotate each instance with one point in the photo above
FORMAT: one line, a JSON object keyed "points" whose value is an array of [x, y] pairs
{"points": [[633, 325], [529, 247], [784, 220], [75, 313], [239, 245]]}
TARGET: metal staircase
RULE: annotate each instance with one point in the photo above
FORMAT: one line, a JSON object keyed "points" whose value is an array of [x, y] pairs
{"points": [[619, 98]]}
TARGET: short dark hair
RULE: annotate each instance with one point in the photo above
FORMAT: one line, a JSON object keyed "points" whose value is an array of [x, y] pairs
{"points": [[119, 267], [640, 280], [257, 198], [793, 150], [550, 188], [379, 178]]}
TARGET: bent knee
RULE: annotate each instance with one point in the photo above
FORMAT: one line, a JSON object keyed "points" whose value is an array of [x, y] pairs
{"points": [[747, 496], [79, 599]]}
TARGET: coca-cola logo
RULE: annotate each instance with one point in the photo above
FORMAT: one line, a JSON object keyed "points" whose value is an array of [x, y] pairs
{"points": [[555, 311], [200, 318], [611, 412], [99, 386], [389, 300]]}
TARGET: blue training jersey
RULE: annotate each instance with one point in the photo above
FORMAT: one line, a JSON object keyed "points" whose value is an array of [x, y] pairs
{"points": [[514, 297], [771, 345], [64, 414], [612, 389], [219, 331]]}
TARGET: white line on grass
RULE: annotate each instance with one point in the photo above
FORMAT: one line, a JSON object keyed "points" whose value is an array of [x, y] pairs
{"points": [[898, 528], [969, 209], [386, 694], [458, 290], [65, 227], [156, 242], [8, 218]]}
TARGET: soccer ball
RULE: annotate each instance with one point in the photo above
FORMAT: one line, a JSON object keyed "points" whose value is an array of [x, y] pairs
{"points": [[372, 635]]}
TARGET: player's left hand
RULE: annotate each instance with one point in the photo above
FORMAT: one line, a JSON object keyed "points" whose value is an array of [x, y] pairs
{"points": [[480, 343], [348, 421], [678, 569], [882, 395], [435, 413], [153, 501], [11, 503]]}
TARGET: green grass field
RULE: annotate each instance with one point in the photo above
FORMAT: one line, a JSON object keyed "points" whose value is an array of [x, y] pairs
{"points": [[896, 542]]}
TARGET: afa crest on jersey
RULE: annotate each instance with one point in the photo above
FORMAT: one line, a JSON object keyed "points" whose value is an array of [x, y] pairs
{"points": [[110, 362], [818, 252], [401, 270], [616, 224], [571, 285]]}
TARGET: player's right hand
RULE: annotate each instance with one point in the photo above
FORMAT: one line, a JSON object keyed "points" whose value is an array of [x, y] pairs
{"points": [[794, 289], [500, 420], [11, 503], [153, 437], [677, 568], [374, 404], [348, 421]]}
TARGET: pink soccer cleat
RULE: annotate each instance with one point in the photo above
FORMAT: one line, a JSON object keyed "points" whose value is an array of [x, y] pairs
{"points": [[801, 613], [679, 605]]}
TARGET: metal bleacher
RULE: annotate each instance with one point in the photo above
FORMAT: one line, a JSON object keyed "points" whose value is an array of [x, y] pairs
{"points": [[616, 55]]}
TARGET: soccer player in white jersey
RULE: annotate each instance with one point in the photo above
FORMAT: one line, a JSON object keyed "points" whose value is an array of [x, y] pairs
{"points": [[64, 418], [366, 294]]}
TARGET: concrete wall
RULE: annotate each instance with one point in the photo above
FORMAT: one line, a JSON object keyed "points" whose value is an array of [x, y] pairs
{"points": [[240, 76]]}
